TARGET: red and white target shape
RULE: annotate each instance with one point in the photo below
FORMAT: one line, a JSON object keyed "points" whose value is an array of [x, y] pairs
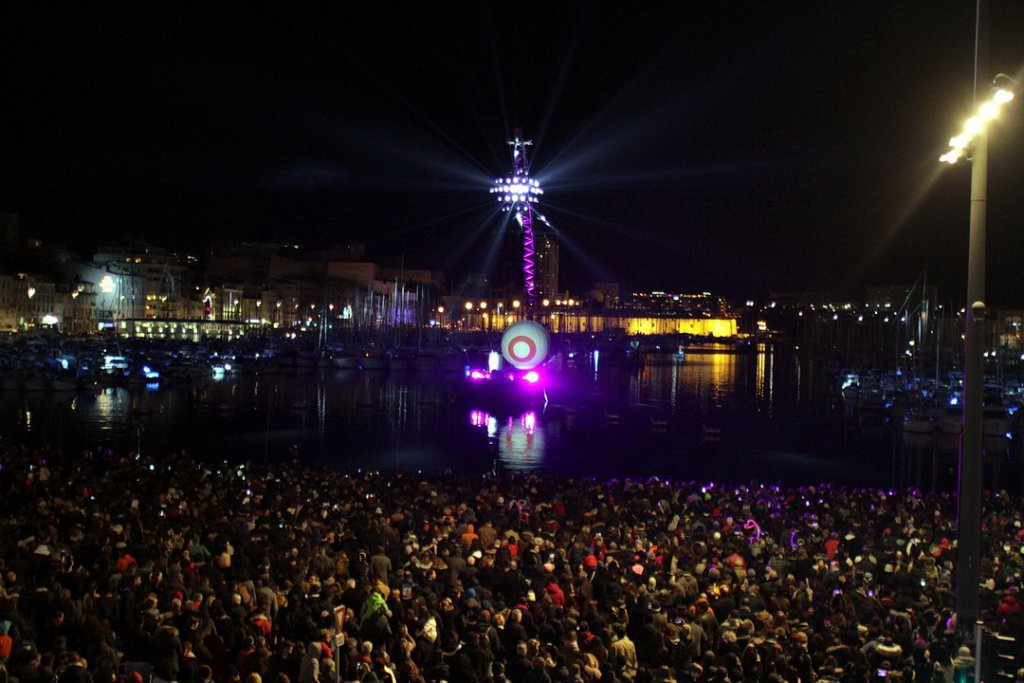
{"points": [[525, 344]]}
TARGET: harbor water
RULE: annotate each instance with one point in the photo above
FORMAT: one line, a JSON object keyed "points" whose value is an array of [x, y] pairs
{"points": [[712, 415]]}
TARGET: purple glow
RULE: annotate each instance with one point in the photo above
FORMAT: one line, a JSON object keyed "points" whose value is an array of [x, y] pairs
{"points": [[751, 524], [528, 256], [520, 505], [532, 377], [478, 375]]}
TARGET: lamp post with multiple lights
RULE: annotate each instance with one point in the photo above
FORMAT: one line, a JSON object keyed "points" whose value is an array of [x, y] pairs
{"points": [[973, 139]]}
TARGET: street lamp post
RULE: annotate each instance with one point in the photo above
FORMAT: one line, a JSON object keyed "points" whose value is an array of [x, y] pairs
{"points": [[971, 469]]}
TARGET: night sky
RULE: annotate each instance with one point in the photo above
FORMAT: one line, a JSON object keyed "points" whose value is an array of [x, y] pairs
{"points": [[734, 147]]}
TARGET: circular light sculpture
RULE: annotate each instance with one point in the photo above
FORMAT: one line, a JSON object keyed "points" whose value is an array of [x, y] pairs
{"points": [[525, 344]]}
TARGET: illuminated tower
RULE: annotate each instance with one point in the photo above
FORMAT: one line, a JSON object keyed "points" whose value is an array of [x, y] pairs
{"points": [[517, 194]]}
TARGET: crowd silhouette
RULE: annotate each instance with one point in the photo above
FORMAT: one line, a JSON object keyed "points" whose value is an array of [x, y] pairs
{"points": [[116, 568]]}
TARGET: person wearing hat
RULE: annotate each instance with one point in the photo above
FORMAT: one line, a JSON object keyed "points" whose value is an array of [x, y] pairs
{"points": [[76, 670], [554, 592], [374, 613], [6, 642], [962, 664]]}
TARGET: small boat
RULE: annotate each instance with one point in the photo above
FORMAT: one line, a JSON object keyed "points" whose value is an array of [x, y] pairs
{"points": [[914, 423], [373, 361], [115, 365], [345, 361], [995, 421]]}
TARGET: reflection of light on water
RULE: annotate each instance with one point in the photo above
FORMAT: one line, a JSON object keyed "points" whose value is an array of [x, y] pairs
{"points": [[105, 404], [321, 408], [708, 377], [764, 375], [520, 440], [480, 418], [759, 373], [721, 375], [110, 407], [521, 443], [27, 420]]}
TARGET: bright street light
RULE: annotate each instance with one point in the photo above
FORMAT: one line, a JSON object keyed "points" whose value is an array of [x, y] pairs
{"points": [[970, 468], [975, 126]]}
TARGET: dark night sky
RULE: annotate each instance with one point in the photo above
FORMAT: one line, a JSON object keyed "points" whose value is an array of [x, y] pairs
{"points": [[736, 147]]}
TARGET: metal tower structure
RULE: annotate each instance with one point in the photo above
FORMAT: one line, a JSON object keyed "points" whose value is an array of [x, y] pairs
{"points": [[516, 193]]}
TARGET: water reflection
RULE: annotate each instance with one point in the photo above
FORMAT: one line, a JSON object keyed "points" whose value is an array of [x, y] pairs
{"points": [[519, 440], [339, 415], [715, 379], [619, 418]]}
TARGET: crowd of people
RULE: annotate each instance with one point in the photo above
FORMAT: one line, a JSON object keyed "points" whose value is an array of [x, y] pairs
{"points": [[116, 568]]}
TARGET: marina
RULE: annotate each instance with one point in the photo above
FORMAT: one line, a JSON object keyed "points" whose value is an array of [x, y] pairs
{"points": [[723, 415]]}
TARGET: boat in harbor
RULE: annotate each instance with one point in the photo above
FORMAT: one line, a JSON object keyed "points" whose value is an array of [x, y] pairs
{"points": [[919, 423], [345, 361], [372, 359], [994, 419]]}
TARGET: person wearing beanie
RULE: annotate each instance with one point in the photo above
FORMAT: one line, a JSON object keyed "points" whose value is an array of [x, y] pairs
{"points": [[6, 642]]}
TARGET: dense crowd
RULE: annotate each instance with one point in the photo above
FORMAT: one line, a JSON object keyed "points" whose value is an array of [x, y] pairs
{"points": [[126, 569]]}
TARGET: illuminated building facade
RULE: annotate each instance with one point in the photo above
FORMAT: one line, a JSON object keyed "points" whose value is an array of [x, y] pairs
{"points": [[546, 263], [152, 278], [701, 315]]}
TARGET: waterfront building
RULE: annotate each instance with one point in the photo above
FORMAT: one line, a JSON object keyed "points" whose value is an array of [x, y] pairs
{"points": [[645, 313], [546, 264], [153, 281]]}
